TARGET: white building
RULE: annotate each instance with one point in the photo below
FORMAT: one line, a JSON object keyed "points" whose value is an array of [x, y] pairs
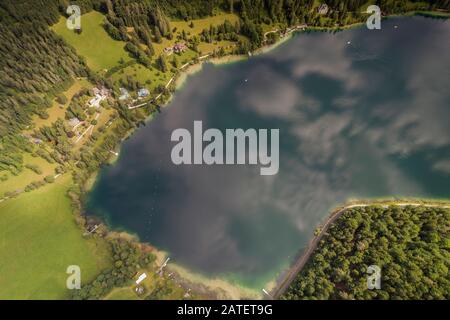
{"points": [[100, 95], [141, 278], [124, 95], [74, 122], [323, 8], [142, 93], [95, 102]]}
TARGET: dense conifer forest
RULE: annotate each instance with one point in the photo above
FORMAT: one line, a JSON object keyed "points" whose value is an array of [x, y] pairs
{"points": [[410, 245]]}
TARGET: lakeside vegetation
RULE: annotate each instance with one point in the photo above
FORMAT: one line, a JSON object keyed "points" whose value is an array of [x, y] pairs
{"points": [[121, 44], [411, 246]]}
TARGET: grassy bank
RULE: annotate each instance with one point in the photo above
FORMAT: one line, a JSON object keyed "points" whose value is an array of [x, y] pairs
{"points": [[39, 240]]}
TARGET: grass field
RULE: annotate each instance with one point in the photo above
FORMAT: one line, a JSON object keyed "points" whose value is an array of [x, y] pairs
{"points": [[122, 294], [39, 239], [27, 176], [206, 48], [143, 74], [94, 43]]}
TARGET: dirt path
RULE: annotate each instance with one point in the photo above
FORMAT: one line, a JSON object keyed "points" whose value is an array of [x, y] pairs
{"points": [[291, 274]]}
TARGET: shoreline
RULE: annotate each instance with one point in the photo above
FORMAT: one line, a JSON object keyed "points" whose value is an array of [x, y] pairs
{"points": [[215, 287], [222, 288], [289, 275]]}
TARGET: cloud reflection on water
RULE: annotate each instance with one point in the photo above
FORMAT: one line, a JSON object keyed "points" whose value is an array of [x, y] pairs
{"points": [[352, 118]]}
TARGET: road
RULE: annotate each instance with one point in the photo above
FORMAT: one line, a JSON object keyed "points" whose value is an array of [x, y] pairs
{"points": [[291, 274]]}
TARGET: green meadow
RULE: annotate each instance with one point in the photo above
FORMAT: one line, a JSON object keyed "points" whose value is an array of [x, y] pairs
{"points": [[19, 182], [39, 239], [122, 294], [149, 78], [94, 44], [204, 23]]}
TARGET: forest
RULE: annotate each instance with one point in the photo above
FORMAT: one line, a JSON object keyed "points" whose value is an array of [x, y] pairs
{"points": [[411, 246]]}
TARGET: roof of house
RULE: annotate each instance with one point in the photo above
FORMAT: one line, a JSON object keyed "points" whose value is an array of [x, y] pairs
{"points": [[96, 100], [143, 92], [74, 121], [180, 45], [323, 8], [123, 94]]}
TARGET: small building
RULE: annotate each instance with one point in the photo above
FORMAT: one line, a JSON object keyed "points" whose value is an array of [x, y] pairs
{"points": [[124, 95], [100, 94], [142, 93], [323, 9], [168, 50], [74, 122], [36, 140], [104, 92], [95, 102], [139, 290], [180, 47], [32, 139], [141, 278]]}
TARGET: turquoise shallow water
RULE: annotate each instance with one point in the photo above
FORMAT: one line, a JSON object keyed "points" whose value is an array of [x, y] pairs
{"points": [[365, 119]]}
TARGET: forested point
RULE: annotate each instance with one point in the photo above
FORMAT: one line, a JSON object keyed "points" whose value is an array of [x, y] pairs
{"points": [[411, 246]]}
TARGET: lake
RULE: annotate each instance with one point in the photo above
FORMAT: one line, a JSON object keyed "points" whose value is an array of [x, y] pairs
{"points": [[361, 114]]}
